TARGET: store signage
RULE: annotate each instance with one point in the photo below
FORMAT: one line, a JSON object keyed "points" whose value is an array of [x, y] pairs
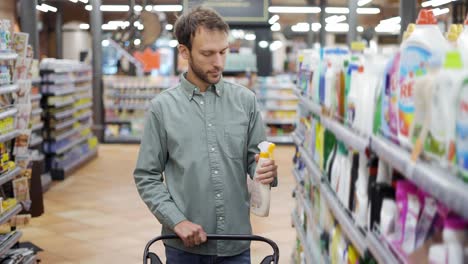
{"points": [[235, 10]]}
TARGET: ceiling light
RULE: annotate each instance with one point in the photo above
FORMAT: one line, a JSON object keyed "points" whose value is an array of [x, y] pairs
{"points": [[105, 43], [388, 28], [74, 1], [250, 36], [49, 7], [336, 10], [263, 44], [84, 26], [316, 27], [114, 8], [137, 42], [273, 19], [42, 8], [339, 27], [136, 23], [436, 3], [141, 27], [301, 27], [89, 7], [169, 27], [363, 2], [360, 29], [368, 10], [438, 11], [294, 9], [167, 8], [138, 8], [173, 43], [84, 1], [335, 19], [148, 8], [392, 20], [109, 27], [275, 45], [275, 27]]}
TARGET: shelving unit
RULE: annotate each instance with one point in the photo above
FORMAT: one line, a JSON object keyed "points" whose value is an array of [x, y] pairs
{"points": [[9, 243], [126, 100], [67, 101], [278, 105]]}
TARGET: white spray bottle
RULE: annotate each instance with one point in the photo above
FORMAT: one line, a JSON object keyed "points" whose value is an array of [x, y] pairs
{"points": [[260, 193]]}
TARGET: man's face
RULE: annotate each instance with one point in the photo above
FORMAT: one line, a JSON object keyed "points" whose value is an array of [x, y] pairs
{"points": [[208, 54]]}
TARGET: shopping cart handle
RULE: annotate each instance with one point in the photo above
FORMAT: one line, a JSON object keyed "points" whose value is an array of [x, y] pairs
{"points": [[154, 259]]}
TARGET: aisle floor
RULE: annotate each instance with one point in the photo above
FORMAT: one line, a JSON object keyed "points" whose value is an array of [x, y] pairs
{"points": [[96, 215]]}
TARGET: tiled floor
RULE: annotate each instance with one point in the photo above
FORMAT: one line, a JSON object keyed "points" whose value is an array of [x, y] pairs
{"points": [[96, 215]]}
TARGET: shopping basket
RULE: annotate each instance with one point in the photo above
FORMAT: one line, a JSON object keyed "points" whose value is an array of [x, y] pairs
{"points": [[154, 259]]}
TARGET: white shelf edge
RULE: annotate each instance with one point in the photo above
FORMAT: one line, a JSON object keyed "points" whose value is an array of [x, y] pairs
{"points": [[36, 97], [36, 112], [64, 114], [85, 115], [63, 103], [7, 215], [8, 176], [284, 139], [10, 88], [65, 124], [442, 185], [8, 113], [8, 56], [279, 121], [7, 245], [37, 126], [378, 249], [83, 106], [36, 142], [71, 145], [79, 161], [9, 136], [66, 134]]}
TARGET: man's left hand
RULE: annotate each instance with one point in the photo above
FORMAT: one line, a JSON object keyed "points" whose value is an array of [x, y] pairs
{"points": [[267, 172]]}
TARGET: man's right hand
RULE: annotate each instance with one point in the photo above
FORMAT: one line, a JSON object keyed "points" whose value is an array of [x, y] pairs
{"points": [[190, 233]]}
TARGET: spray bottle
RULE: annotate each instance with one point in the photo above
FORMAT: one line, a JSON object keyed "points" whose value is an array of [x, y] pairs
{"points": [[260, 195]]}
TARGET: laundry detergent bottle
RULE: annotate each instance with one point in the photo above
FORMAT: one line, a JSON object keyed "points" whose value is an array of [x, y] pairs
{"points": [[260, 194], [462, 43], [426, 40]]}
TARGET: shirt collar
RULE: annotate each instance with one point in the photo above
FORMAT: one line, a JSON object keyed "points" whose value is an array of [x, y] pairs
{"points": [[190, 89]]}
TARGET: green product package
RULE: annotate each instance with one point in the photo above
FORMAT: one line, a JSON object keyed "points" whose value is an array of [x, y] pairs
{"points": [[330, 141]]}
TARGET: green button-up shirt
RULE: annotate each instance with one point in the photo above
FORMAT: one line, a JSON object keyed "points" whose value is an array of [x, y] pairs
{"points": [[205, 144]]}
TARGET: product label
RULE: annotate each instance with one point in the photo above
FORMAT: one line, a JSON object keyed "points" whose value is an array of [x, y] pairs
{"points": [[462, 131], [412, 62]]}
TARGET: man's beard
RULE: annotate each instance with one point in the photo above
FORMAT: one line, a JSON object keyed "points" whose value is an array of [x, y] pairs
{"points": [[200, 74]]}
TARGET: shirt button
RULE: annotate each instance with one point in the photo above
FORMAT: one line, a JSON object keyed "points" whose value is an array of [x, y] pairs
{"points": [[215, 172], [209, 125], [220, 218], [201, 102], [218, 195], [212, 149]]}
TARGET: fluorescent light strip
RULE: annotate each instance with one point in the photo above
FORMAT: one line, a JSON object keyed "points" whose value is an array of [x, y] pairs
{"points": [[167, 8], [138, 8], [388, 28], [294, 9], [275, 27], [169, 27], [115, 8], [250, 37], [339, 27], [42, 8], [436, 3], [392, 20], [84, 26], [360, 10], [335, 19], [363, 2], [300, 27], [273, 19], [438, 11], [74, 1], [316, 27], [84, 1]]}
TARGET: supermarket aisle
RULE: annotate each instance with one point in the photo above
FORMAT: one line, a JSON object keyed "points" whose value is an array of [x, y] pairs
{"points": [[96, 216]]}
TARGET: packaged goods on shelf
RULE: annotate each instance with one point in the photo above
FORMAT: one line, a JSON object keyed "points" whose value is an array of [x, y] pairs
{"points": [[385, 137]]}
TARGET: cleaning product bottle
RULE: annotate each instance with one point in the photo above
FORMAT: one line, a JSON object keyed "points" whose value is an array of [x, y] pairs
{"points": [[260, 195], [415, 51], [462, 130], [462, 43], [452, 35], [441, 137]]}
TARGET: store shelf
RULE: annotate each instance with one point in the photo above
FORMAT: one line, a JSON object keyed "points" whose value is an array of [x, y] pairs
{"points": [[64, 114], [118, 121], [83, 96], [8, 176], [277, 98], [30, 260], [302, 237], [35, 142], [83, 79], [70, 145], [280, 108], [129, 107], [379, 250], [65, 124], [85, 115], [8, 113], [83, 106], [440, 183], [299, 180], [36, 112], [7, 215], [64, 70], [123, 139], [9, 136], [65, 134], [83, 89], [9, 88], [37, 80], [8, 56], [272, 86], [8, 244], [286, 139], [61, 174], [36, 97], [279, 121], [353, 233], [60, 92], [63, 103], [38, 126]]}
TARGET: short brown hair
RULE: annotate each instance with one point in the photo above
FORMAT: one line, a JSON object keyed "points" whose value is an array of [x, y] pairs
{"points": [[187, 24]]}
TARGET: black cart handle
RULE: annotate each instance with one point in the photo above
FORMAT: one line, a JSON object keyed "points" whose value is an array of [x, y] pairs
{"points": [[154, 259]]}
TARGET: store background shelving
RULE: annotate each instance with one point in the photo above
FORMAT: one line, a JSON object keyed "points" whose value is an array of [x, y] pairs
{"points": [[278, 105], [67, 101], [126, 100]]}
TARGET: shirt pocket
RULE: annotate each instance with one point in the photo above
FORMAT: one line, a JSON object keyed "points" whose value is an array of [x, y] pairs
{"points": [[235, 139]]}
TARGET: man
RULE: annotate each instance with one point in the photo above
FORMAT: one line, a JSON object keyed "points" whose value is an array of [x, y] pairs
{"points": [[203, 134]]}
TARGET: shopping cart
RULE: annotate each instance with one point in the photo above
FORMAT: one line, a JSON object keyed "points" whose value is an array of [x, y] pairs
{"points": [[154, 259]]}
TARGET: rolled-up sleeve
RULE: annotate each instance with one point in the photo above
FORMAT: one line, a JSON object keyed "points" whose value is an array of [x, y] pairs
{"points": [[256, 135], [149, 170]]}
